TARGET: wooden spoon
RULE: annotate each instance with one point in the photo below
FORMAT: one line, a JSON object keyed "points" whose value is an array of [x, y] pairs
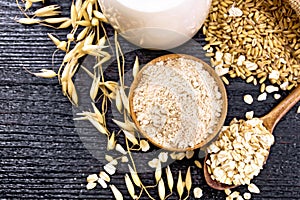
{"points": [[270, 120]]}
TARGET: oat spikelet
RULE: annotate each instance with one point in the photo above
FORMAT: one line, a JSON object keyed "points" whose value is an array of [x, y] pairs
{"points": [[136, 67], [180, 185], [188, 180], [99, 116], [56, 20], [120, 149], [111, 143], [198, 164], [125, 126], [158, 172], [65, 24], [100, 16], [118, 195], [57, 42], [124, 99], [83, 23], [28, 5], [72, 94], [47, 11], [46, 73], [83, 34], [94, 88], [28, 21], [118, 101], [134, 177], [97, 125], [170, 178], [131, 137], [74, 14], [130, 186], [161, 189]]}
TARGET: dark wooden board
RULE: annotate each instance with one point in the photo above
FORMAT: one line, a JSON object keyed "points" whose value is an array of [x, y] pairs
{"points": [[41, 153]]}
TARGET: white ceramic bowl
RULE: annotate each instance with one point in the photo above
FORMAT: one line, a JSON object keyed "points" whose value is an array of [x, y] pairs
{"points": [[156, 24]]}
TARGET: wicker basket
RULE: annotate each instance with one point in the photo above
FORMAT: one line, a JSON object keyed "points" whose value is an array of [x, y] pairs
{"points": [[296, 5]]}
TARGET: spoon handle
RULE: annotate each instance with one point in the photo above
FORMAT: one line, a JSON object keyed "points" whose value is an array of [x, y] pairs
{"points": [[273, 117]]}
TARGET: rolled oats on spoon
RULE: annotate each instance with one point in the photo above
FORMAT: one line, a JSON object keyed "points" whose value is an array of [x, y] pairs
{"points": [[242, 148]]}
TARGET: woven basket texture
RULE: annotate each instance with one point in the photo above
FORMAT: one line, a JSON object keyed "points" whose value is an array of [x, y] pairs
{"points": [[295, 5]]}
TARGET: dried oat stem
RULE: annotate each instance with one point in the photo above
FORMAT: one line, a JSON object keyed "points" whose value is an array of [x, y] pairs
{"points": [[134, 167]]}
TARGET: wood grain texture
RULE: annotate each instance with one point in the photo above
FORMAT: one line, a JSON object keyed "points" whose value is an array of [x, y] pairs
{"points": [[41, 153]]}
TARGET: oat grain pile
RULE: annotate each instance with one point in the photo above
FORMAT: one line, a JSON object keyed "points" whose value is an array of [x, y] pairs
{"points": [[255, 40], [177, 103]]}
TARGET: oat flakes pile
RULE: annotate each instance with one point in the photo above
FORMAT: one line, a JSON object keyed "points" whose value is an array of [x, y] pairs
{"points": [[240, 152]]}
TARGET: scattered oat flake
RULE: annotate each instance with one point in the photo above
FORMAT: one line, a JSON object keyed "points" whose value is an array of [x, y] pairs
{"points": [[250, 65], [271, 89], [235, 194], [108, 158], [262, 97], [110, 169], [114, 162], [163, 157], [253, 188], [144, 145], [92, 178], [298, 110], [198, 193], [239, 198], [249, 115], [284, 85], [124, 159], [91, 186], [189, 154], [180, 156], [102, 183], [153, 163], [248, 99], [275, 74], [103, 175], [235, 12], [277, 96], [247, 195], [219, 56], [241, 60], [221, 71], [227, 191]]}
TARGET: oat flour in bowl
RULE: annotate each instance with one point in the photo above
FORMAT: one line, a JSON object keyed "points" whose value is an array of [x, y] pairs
{"points": [[177, 103]]}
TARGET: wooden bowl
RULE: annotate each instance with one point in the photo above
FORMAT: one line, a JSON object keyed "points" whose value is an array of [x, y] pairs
{"points": [[206, 67]]}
